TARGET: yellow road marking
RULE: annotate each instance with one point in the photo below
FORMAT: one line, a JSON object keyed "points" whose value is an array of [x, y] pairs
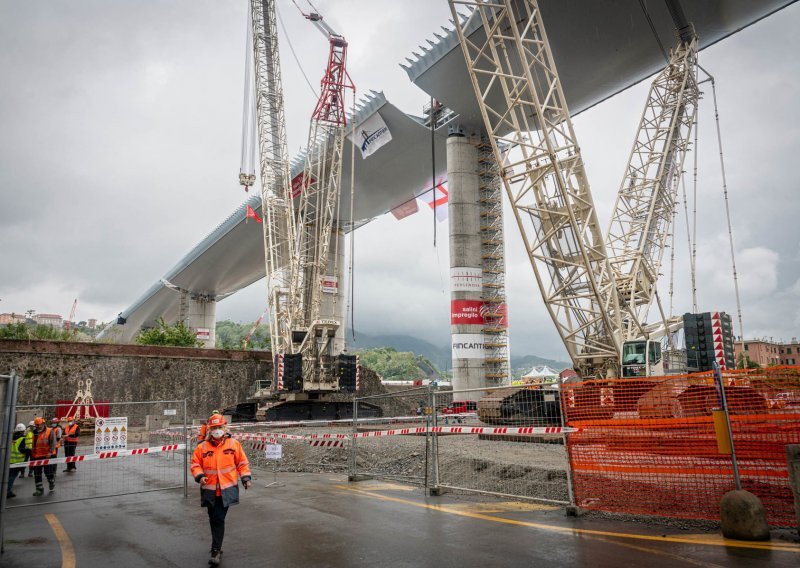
{"points": [[380, 486], [711, 541], [67, 552], [498, 507]]}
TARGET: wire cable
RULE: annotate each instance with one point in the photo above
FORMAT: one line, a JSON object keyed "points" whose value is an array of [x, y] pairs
{"points": [[294, 54], [727, 207], [653, 29]]}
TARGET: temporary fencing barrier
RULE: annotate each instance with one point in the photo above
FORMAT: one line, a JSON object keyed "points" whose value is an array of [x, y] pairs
{"points": [[9, 385], [649, 445], [109, 462], [376, 453], [520, 460]]}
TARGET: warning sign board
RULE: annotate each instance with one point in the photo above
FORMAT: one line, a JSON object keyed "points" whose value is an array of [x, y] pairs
{"points": [[111, 434], [274, 452]]}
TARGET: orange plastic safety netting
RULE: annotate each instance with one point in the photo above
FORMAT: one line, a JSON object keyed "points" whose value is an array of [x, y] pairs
{"points": [[649, 446]]}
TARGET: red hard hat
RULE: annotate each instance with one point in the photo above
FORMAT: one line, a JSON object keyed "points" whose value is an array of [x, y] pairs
{"points": [[54, 420], [216, 420]]}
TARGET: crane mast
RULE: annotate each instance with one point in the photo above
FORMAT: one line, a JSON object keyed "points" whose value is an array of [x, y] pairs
{"points": [[522, 104], [317, 211], [276, 199], [597, 290]]}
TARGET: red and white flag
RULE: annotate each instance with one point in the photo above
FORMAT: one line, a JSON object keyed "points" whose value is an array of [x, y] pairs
{"points": [[436, 199], [251, 215]]}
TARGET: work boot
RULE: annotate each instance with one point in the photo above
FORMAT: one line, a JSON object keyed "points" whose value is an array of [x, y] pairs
{"points": [[39, 490], [216, 557], [52, 485]]}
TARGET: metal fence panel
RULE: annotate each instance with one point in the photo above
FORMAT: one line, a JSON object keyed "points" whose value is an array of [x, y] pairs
{"points": [[158, 463], [525, 466], [8, 397], [396, 457]]}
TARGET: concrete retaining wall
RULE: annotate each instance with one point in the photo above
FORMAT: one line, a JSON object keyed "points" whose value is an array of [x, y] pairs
{"points": [[207, 378]]}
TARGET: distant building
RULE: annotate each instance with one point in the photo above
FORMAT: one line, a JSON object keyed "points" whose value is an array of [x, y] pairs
{"points": [[766, 352], [92, 323], [54, 320], [6, 319]]}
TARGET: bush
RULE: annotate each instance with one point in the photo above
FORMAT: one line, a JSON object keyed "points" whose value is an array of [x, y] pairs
{"points": [[177, 335]]}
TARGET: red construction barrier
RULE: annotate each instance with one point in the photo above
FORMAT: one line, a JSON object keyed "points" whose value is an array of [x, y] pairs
{"points": [[649, 446]]}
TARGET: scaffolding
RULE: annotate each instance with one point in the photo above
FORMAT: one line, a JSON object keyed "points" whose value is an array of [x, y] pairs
{"points": [[495, 314]]}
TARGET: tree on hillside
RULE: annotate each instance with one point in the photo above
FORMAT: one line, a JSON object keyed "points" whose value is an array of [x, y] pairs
{"points": [[21, 330], [231, 335], [177, 335], [392, 365]]}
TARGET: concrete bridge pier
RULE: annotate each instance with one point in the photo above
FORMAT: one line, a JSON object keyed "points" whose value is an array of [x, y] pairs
{"points": [[466, 326], [201, 318]]}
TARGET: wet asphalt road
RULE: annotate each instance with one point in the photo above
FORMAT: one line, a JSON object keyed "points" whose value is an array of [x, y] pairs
{"points": [[324, 521]]}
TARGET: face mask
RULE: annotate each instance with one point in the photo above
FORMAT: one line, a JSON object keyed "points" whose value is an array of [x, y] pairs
{"points": [[217, 433], [71, 423]]}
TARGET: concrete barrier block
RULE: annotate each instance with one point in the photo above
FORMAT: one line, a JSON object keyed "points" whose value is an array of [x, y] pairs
{"points": [[742, 516]]}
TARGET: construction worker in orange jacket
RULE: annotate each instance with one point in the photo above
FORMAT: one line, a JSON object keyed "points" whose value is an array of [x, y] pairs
{"points": [[44, 447], [201, 435], [218, 463], [71, 433]]}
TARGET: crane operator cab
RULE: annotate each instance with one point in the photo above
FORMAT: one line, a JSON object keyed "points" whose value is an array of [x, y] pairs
{"points": [[642, 358]]}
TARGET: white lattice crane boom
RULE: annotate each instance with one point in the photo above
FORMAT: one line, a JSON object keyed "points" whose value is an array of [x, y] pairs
{"points": [[276, 199], [645, 205], [597, 294]]}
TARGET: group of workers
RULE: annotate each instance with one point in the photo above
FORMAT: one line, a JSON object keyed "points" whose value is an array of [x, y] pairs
{"points": [[39, 442], [218, 464]]}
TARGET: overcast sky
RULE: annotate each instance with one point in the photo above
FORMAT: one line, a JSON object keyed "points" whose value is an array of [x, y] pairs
{"points": [[120, 127]]}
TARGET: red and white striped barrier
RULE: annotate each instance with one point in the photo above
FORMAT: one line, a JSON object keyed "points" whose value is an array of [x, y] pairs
{"points": [[327, 443], [101, 456], [523, 431]]}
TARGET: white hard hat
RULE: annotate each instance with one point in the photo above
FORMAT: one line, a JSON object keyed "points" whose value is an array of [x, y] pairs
{"points": [[20, 427], [30, 423]]}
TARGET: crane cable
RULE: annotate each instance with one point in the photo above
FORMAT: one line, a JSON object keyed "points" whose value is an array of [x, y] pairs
{"points": [[727, 207], [247, 165], [351, 296], [294, 53]]}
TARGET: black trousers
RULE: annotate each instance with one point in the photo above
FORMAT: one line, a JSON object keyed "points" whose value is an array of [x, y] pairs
{"points": [[49, 473], [216, 518], [69, 450]]}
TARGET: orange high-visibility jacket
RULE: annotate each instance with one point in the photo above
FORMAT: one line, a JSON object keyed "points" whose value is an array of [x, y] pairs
{"points": [[223, 464], [44, 444], [71, 434], [201, 435]]}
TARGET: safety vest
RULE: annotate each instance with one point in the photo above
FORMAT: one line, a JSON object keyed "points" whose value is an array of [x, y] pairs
{"points": [[44, 444], [71, 434], [58, 431], [201, 436], [16, 454], [222, 464]]}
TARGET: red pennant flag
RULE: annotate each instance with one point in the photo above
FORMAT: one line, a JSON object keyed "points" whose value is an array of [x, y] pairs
{"points": [[251, 215]]}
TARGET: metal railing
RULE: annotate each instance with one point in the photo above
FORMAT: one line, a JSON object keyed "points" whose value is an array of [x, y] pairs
{"points": [[105, 465], [8, 395]]}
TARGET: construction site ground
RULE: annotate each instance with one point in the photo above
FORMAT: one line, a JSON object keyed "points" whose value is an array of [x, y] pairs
{"points": [[311, 520]]}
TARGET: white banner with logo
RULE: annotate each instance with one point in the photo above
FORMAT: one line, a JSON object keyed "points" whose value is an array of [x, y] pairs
{"points": [[371, 135], [110, 434], [468, 346], [466, 279]]}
